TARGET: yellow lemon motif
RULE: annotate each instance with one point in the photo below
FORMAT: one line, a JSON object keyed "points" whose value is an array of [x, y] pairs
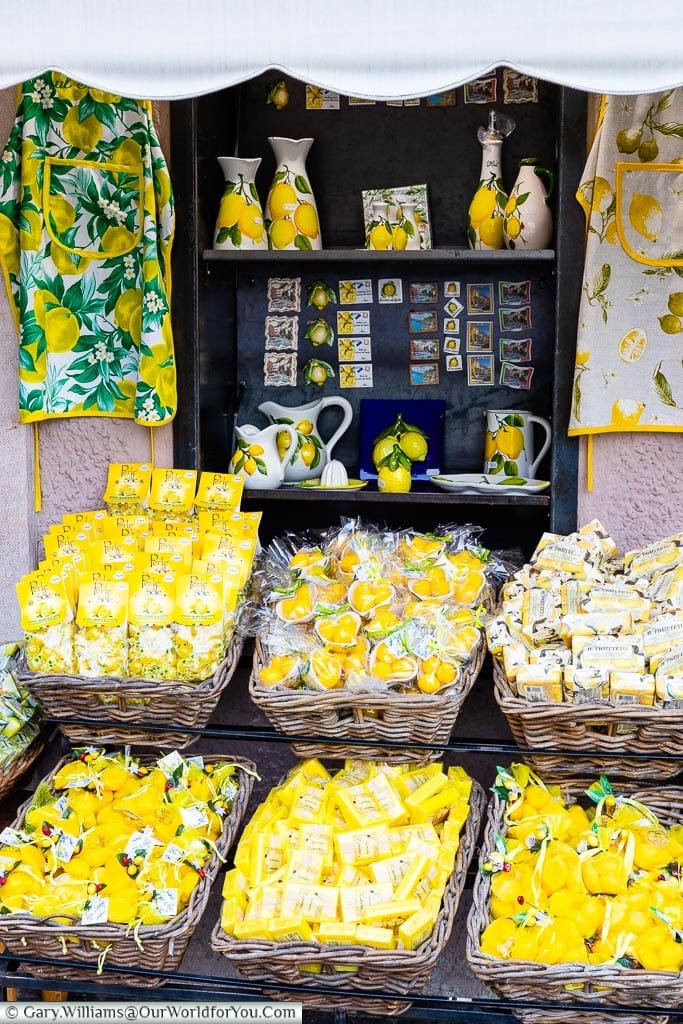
{"points": [[9, 244], [117, 240], [62, 213], [127, 153], [40, 299], [383, 448], [29, 164], [84, 135], [513, 227], [62, 329], [626, 412], [255, 449], [602, 195], [126, 305], [251, 223], [394, 480], [303, 427], [482, 206], [632, 346], [306, 220], [66, 262], [611, 233], [104, 97], [250, 466], [675, 303], [510, 441], [399, 238], [380, 237], [231, 209], [511, 205], [282, 200], [307, 452], [282, 233], [166, 386], [414, 445], [671, 324], [135, 325], [645, 215], [491, 232], [31, 236], [582, 358]]}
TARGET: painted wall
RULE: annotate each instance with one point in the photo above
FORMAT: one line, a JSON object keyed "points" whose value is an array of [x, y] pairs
{"points": [[74, 453]]}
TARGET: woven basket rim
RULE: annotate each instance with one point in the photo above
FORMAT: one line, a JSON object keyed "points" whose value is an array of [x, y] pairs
{"points": [[13, 925], [21, 764]]}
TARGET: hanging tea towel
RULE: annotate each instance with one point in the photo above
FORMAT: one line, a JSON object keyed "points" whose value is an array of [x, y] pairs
{"points": [[86, 224], [629, 373]]}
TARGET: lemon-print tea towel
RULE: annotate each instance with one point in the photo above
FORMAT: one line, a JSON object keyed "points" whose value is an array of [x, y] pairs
{"points": [[629, 374], [86, 224]]}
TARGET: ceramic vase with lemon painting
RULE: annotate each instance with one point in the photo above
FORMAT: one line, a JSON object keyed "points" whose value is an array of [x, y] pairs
{"points": [[239, 224], [487, 209], [291, 211], [528, 222]]}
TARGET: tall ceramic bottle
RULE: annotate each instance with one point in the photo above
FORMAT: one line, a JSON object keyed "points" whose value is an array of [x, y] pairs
{"points": [[487, 209], [528, 221], [291, 211], [239, 224]]}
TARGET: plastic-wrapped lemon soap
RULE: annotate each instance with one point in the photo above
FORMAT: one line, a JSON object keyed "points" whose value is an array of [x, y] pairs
{"points": [[151, 606], [198, 629], [100, 640]]}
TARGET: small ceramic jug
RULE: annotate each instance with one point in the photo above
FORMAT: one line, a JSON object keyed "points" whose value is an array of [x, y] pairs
{"points": [[380, 230], [509, 445], [409, 225], [291, 210], [256, 457], [309, 455], [528, 222], [239, 224]]}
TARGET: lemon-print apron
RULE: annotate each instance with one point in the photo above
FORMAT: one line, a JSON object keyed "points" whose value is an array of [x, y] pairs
{"points": [[629, 374], [86, 224]]}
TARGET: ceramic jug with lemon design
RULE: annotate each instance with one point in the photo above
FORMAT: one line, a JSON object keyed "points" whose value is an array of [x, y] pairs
{"points": [[291, 210], [240, 218], [528, 222], [308, 454], [509, 444], [487, 209], [257, 457]]}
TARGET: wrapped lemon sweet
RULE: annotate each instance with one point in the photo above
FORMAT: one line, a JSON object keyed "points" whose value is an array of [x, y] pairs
{"points": [[47, 621], [359, 857], [110, 840], [593, 884]]}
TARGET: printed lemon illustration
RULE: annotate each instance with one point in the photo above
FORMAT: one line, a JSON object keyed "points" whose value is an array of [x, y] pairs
{"points": [[128, 303], [231, 210], [304, 427], [117, 240], [41, 303], [380, 237], [251, 223], [62, 329], [9, 244], [628, 139], [399, 238], [67, 262], [510, 441], [307, 452], [675, 303], [671, 324], [513, 226], [626, 412], [582, 358], [482, 206], [127, 153], [648, 150], [278, 95], [282, 200], [166, 380], [645, 215], [84, 135], [632, 346], [31, 231], [62, 213], [306, 220], [602, 195], [388, 289], [282, 233], [383, 448], [282, 441], [491, 231], [414, 445]]}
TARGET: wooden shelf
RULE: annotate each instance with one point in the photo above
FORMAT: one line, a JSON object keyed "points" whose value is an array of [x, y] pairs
{"points": [[352, 255], [421, 494]]}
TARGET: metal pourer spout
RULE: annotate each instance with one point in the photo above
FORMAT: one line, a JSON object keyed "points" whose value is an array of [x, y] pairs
{"points": [[499, 127]]}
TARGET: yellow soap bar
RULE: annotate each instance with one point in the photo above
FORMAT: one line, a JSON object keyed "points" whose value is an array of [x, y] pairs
{"points": [[256, 929], [336, 933], [317, 838], [358, 807], [408, 782], [357, 900], [291, 929], [392, 911], [314, 902], [437, 807], [535, 683], [428, 789], [631, 688], [362, 846], [305, 867], [406, 887], [416, 929], [308, 806], [231, 915], [391, 869], [376, 938], [385, 795]]}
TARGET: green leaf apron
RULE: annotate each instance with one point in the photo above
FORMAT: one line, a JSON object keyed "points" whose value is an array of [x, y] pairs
{"points": [[86, 225], [629, 367]]}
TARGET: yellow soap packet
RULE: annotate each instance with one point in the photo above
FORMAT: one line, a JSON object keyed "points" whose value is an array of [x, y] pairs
{"points": [[291, 929], [124, 524], [416, 929], [592, 624], [172, 490], [623, 654], [228, 549], [669, 691], [670, 664], [181, 546], [585, 685], [336, 933], [539, 605], [559, 554], [312, 902], [82, 522], [358, 807], [100, 639], [617, 597], [64, 566], [355, 901], [631, 688], [47, 621], [219, 491], [199, 630], [661, 635], [537, 683], [362, 846], [151, 607], [127, 484], [645, 562]]}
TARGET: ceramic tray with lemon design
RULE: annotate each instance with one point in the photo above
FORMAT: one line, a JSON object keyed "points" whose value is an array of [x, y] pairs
{"points": [[487, 483], [369, 635]]}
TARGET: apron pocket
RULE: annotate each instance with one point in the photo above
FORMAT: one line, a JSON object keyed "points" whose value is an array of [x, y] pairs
{"points": [[92, 209], [650, 213]]}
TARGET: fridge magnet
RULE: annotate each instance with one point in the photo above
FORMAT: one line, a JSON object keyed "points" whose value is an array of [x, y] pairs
{"points": [[453, 307], [424, 349], [277, 93], [442, 99], [423, 321], [279, 369], [479, 336], [319, 332], [481, 90], [394, 198], [353, 321], [451, 289], [453, 363], [282, 333], [479, 370], [519, 88], [320, 295], [321, 99], [424, 374], [479, 299], [515, 350], [515, 319], [316, 371], [451, 326], [451, 344], [394, 103], [414, 102], [358, 101], [355, 293], [355, 375], [426, 293], [284, 294], [355, 350], [514, 293], [518, 377], [390, 289]]}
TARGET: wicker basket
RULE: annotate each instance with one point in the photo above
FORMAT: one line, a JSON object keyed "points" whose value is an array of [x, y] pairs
{"points": [[598, 986], [160, 947], [400, 971], [402, 718], [121, 703], [10, 776], [594, 727]]}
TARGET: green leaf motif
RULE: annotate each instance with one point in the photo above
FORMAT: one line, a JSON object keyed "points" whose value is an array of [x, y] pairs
{"points": [[663, 388], [303, 243], [514, 420], [602, 279], [523, 198], [510, 468], [576, 404], [301, 185], [670, 128]]}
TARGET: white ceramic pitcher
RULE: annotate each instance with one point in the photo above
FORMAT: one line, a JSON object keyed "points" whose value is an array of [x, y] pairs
{"points": [[528, 222], [291, 210], [256, 457], [240, 218], [310, 453], [509, 445]]}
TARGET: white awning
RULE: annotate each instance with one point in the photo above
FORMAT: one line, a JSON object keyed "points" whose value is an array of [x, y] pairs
{"points": [[382, 49]]}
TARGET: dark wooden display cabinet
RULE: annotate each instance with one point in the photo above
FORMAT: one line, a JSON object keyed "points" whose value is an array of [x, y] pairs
{"points": [[219, 297]]}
